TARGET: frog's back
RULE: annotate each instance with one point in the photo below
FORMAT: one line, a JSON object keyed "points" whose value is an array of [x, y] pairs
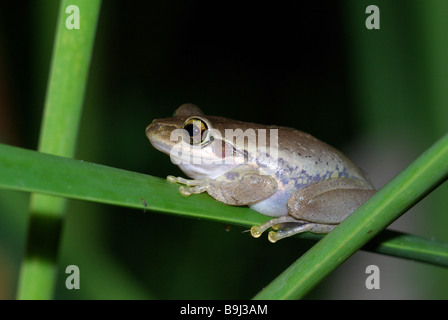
{"points": [[299, 156], [308, 160], [303, 160]]}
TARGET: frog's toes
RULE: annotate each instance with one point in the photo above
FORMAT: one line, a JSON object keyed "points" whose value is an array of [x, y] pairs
{"points": [[256, 231], [272, 236], [299, 228], [188, 182], [185, 191], [171, 179], [275, 224]]}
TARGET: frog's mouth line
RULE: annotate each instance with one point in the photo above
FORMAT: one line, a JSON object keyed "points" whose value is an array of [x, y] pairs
{"points": [[161, 147]]}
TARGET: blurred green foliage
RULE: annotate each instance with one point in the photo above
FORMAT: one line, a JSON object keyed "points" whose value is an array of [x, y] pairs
{"points": [[312, 66]]}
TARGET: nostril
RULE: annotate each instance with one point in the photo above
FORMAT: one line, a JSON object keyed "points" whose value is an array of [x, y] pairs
{"points": [[153, 127], [149, 128]]}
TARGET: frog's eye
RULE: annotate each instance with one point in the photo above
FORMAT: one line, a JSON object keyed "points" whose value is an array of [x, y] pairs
{"points": [[199, 132]]}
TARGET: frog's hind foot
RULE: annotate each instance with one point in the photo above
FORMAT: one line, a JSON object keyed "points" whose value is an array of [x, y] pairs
{"points": [[299, 228], [256, 231], [287, 226]]}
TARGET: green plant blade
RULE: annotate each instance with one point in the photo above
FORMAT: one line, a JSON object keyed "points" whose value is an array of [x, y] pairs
{"points": [[63, 107], [31, 171], [421, 177]]}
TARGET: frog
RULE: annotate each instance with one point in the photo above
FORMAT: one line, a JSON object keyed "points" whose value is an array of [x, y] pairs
{"points": [[302, 183]]}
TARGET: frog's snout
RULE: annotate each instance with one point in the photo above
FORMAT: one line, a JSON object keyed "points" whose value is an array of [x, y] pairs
{"points": [[153, 127], [160, 130]]}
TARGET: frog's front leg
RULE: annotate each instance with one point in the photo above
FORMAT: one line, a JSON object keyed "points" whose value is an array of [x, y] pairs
{"points": [[198, 186], [239, 187], [318, 208]]}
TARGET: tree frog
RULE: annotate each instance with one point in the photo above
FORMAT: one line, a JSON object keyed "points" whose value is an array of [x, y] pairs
{"points": [[305, 184]]}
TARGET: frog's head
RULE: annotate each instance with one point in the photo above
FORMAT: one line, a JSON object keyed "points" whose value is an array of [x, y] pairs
{"points": [[196, 143]]}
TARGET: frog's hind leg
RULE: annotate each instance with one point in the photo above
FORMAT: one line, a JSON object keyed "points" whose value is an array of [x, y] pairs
{"points": [[287, 226], [299, 228], [256, 231]]}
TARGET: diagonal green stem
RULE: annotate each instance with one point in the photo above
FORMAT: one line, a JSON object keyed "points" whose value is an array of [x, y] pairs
{"points": [[411, 185], [63, 107]]}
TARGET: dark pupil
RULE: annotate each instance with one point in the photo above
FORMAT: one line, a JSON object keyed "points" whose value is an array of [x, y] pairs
{"points": [[192, 130], [194, 133]]}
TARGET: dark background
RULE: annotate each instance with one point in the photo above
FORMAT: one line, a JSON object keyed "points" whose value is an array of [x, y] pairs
{"points": [[310, 65]]}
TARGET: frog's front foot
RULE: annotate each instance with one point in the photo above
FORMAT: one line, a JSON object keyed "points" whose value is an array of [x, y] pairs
{"points": [[287, 226], [196, 186]]}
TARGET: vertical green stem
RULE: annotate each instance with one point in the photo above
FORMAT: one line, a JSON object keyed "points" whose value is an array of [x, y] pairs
{"points": [[432, 20], [63, 107]]}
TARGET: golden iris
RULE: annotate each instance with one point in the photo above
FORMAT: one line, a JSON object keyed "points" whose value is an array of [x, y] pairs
{"points": [[198, 131]]}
